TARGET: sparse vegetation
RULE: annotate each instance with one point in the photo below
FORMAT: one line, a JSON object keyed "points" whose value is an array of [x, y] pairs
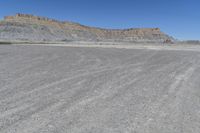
{"points": [[1, 30], [35, 26], [4, 43]]}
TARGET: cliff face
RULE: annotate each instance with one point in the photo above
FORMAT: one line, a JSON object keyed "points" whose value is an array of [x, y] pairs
{"points": [[34, 28]]}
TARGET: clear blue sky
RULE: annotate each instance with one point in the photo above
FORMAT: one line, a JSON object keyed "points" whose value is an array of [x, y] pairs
{"points": [[179, 18]]}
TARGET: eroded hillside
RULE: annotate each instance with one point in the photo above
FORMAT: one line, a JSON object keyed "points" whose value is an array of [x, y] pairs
{"points": [[23, 27]]}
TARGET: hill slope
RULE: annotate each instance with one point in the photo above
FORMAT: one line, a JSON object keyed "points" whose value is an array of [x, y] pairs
{"points": [[23, 27]]}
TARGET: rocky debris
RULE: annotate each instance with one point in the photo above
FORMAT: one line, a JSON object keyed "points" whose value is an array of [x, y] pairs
{"points": [[34, 28], [168, 41]]}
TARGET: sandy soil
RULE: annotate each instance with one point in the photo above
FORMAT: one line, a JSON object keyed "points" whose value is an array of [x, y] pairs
{"points": [[46, 89]]}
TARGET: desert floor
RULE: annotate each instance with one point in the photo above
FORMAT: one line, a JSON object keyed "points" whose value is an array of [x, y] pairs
{"points": [[54, 89]]}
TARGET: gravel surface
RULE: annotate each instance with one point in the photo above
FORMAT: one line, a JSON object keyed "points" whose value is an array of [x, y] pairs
{"points": [[46, 89]]}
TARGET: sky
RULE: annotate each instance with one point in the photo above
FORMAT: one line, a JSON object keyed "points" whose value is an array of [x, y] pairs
{"points": [[178, 18]]}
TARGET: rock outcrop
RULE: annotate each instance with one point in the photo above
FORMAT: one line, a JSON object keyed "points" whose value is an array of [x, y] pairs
{"points": [[23, 27]]}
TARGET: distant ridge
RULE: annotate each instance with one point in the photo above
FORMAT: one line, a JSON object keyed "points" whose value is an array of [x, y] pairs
{"points": [[23, 27]]}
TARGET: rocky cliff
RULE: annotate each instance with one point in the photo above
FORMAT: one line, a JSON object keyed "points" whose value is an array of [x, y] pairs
{"points": [[23, 27]]}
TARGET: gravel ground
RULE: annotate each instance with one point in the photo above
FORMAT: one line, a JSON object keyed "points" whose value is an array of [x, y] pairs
{"points": [[46, 89]]}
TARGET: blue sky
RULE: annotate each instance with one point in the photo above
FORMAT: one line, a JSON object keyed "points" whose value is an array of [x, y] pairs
{"points": [[179, 18]]}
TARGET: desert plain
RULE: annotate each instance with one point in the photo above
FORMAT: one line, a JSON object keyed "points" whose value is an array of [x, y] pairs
{"points": [[77, 89]]}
